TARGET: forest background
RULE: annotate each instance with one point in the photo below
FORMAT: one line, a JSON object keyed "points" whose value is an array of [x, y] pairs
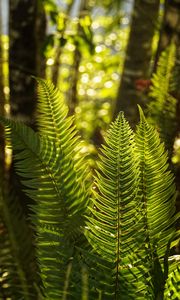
{"points": [[104, 56]]}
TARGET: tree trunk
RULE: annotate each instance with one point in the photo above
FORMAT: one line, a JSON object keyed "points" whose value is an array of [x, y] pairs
{"points": [[2, 98], [136, 71], [57, 60], [27, 26], [177, 96], [40, 35], [24, 56], [170, 29], [73, 94]]}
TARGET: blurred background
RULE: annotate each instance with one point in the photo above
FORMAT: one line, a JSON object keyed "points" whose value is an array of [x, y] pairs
{"points": [[104, 56]]}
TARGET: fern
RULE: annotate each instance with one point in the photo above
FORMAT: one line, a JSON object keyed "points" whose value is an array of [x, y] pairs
{"points": [[52, 177], [158, 197], [172, 290], [133, 214], [162, 107], [113, 242], [114, 229], [52, 121]]}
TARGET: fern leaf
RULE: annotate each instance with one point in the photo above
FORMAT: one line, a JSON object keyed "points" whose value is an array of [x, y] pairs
{"points": [[113, 228], [162, 107], [51, 181], [158, 197], [172, 287], [51, 111], [53, 122]]}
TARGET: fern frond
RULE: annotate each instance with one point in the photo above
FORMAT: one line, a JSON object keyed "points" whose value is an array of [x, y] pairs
{"points": [[158, 196], [52, 121], [129, 222], [162, 107], [172, 287], [157, 185], [115, 221], [51, 111], [51, 181]]}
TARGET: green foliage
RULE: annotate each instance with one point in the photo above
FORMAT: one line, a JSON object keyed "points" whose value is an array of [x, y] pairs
{"points": [[173, 283], [115, 224], [18, 277], [52, 175], [158, 193], [162, 107], [100, 36], [109, 241], [160, 187]]}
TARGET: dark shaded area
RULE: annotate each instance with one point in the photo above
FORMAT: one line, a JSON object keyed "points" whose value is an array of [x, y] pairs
{"points": [[27, 25]]}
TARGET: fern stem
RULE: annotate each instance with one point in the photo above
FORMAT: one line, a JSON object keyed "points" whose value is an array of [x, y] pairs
{"points": [[118, 223], [66, 284], [84, 283], [14, 246], [144, 198]]}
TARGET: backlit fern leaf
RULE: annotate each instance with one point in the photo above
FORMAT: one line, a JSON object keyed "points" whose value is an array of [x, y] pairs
{"points": [[115, 221], [158, 199], [52, 182], [129, 223], [52, 121], [162, 107]]}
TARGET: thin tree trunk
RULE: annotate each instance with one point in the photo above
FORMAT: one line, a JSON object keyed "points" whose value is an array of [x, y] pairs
{"points": [[2, 98], [73, 96], [57, 60], [40, 36], [176, 94], [138, 58], [23, 57], [26, 34], [25, 270]]}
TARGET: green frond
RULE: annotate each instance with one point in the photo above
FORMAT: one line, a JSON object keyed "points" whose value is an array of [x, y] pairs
{"points": [[172, 288], [53, 122], [52, 182], [113, 229], [158, 196], [17, 267], [51, 111], [162, 107], [114, 242]]}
